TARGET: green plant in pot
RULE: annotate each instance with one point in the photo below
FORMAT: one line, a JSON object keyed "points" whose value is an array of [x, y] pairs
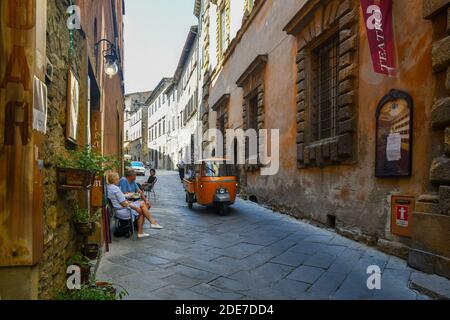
{"points": [[80, 167], [85, 266], [84, 222], [94, 291]]}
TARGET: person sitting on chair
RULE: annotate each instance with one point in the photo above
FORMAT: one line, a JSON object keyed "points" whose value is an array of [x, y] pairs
{"points": [[128, 185], [152, 179], [139, 209]]}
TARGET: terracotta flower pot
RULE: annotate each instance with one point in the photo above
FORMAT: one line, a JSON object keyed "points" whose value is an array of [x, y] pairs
{"points": [[107, 286], [84, 228], [85, 274], [69, 178], [92, 251]]}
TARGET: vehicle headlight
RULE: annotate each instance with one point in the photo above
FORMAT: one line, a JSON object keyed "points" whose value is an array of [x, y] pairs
{"points": [[222, 191]]}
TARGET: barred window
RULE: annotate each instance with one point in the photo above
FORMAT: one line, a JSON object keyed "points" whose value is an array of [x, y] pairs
{"points": [[325, 64], [252, 124]]}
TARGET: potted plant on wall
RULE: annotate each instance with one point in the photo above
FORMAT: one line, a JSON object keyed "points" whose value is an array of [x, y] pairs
{"points": [[84, 222], [92, 250], [79, 168]]}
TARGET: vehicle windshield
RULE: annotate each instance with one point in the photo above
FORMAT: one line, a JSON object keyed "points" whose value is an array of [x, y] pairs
{"points": [[137, 164], [217, 169]]}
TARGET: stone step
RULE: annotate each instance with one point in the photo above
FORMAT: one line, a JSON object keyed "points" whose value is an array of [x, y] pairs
{"points": [[431, 285]]}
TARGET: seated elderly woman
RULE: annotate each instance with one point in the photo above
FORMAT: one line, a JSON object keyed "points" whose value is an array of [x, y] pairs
{"points": [[139, 208]]}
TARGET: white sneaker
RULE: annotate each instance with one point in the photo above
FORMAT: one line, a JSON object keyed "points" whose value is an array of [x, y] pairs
{"points": [[144, 235], [156, 226]]}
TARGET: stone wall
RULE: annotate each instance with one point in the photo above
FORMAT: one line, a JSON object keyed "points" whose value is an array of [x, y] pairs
{"points": [[59, 236], [430, 250]]}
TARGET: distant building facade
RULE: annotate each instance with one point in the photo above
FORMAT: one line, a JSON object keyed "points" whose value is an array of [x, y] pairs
{"points": [[134, 126], [161, 105]]}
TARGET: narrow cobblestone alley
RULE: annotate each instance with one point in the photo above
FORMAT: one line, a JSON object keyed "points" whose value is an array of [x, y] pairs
{"points": [[253, 253]]}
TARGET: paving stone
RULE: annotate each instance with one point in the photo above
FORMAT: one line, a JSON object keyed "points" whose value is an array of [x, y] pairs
{"points": [[319, 238], [165, 254], [433, 285], [117, 259], [346, 262], [307, 247], [241, 250], [194, 273], [181, 281], [272, 272], [138, 294], [285, 289], [229, 284], [354, 287], [320, 260], [306, 274], [175, 293], [253, 253], [328, 283], [115, 270], [211, 266], [152, 260], [216, 293], [291, 258], [396, 263], [140, 282]]}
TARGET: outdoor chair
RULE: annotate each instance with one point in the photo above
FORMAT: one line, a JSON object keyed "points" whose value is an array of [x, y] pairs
{"points": [[130, 220], [148, 190]]}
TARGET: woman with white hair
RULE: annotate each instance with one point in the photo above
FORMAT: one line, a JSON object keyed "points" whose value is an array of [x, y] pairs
{"points": [[139, 208]]}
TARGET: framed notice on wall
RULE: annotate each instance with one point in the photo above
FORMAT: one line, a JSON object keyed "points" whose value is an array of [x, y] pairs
{"points": [[73, 106], [394, 135]]}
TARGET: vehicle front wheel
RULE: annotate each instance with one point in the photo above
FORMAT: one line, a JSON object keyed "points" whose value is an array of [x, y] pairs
{"points": [[190, 200], [223, 209]]}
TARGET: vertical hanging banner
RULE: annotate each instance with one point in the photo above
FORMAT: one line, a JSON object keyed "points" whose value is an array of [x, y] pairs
{"points": [[378, 21]]}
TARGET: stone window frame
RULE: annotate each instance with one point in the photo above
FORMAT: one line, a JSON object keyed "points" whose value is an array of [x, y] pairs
{"points": [[223, 12], [335, 17], [253, 84], [221, 109]]}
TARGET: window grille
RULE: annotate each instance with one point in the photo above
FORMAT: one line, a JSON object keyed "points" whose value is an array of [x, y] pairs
{"points": [[325, 89]]}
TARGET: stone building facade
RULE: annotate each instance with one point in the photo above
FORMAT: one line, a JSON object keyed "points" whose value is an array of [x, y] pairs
{"points": [[173, 110], [268, 74], [134, 126], [37, 243], [162, 108]]}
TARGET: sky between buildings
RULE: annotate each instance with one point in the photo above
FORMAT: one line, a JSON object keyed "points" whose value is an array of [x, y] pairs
{"points": [[155, 33]]}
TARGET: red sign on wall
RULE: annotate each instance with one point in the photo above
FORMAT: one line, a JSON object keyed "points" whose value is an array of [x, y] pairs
{"points": [[402, 213], [378, 21]]}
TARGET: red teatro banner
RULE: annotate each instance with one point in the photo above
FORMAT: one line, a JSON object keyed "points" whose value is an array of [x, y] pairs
{"points": [[378, 21]]}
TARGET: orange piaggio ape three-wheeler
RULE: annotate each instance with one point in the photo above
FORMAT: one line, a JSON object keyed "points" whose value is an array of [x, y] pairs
{"points": [[211, 183]]}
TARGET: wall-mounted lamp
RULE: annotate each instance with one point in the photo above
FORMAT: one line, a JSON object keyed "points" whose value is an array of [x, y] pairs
{"points": [[110, 56]]}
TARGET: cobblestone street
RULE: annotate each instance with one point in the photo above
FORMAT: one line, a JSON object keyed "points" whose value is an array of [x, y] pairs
{"points": [[253, 253]]}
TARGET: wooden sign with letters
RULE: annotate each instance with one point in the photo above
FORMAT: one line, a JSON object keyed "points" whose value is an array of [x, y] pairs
{"points": [[21, 169]]}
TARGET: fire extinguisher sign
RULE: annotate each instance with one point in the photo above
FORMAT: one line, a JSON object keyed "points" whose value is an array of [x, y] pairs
{"points": [[402, 210], [402, 216]]}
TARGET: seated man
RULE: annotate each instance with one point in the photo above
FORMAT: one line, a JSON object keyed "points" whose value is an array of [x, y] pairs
{"points": [[139, 209], [128, 185]]}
